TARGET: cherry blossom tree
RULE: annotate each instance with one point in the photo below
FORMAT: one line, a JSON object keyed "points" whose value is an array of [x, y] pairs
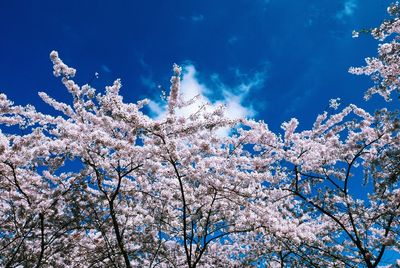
{"points": [[346, 170], [101, 184], [345, 173], [384, 69]]}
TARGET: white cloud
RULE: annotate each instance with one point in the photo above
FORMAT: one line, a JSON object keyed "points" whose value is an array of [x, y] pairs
{"points": [[349, 6], [233, 97], [156, 109], [191, 88]]}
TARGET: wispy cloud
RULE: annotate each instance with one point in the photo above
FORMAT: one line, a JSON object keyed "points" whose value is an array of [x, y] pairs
{"points": [[143, 63], [194, 18], [232, 40], [264, 4], [105, 68], [148, 82], [232, 97], [197, 18], [349, 6]]}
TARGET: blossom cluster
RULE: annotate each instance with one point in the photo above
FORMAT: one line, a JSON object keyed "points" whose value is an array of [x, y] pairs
{"points": [[104, 185]]}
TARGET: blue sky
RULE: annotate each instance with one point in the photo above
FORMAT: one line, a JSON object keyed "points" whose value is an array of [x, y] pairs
{"points": [[268, 59]]}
